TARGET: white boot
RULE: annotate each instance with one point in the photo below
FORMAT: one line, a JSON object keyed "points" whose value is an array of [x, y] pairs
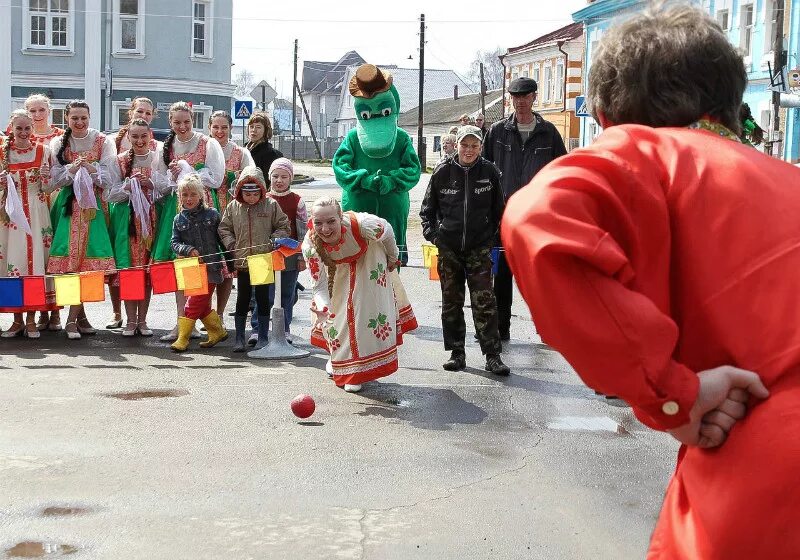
{"points": [[352, 388], [329, 368]]}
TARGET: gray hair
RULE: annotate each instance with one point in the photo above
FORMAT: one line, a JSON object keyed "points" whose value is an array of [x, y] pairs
{"points": [[667, 66]]}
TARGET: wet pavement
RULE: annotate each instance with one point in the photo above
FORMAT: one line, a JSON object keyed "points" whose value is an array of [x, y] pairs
{"points": [[118, 448]]}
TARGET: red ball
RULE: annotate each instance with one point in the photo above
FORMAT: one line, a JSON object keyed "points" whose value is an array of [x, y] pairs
{"points": [[303, 406]]}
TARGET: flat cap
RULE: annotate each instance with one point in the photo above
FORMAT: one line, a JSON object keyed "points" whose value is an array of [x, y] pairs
{"points": [[521, 86]]}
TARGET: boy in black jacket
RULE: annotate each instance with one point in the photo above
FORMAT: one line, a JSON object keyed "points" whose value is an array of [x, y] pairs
{"points": [[461, 215]]}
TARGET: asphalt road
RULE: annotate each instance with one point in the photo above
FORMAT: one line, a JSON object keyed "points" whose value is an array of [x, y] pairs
{"points": [[423, 464]]}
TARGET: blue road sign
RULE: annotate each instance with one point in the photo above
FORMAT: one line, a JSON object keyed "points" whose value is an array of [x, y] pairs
{"points": [[580, 107], [243, 109]]}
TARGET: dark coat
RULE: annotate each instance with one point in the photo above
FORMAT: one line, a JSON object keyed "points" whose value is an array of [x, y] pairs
{"points": [[463, 205], [518, 163], [263, 156]]}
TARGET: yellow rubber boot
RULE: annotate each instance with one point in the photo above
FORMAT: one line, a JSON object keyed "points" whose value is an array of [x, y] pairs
{"points": [[185, 326], [216, 332]]}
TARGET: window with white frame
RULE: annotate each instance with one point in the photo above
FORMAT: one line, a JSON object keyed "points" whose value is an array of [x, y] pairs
{"points": [[559, 86], [129, 26], [547, 85], [48, 24], [525, 72], [747, 19], [771, 21], [202, 113], [723, 18], [535, 76], [201, 28]]}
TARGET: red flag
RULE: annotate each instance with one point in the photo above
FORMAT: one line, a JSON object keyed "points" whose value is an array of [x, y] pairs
{"points": [[131, 284], [33, 291], [162, 277]]}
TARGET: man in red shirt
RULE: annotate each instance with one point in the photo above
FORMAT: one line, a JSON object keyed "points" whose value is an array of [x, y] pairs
{"points": [[663, 262]]}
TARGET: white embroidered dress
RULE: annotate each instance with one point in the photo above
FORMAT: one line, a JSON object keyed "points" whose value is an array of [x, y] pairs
{"points": [[368, 310]]}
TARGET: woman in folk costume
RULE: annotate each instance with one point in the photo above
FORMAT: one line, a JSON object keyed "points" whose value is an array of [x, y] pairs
{"points": [[184, 149], [79, 214], [136, 184], [25, 232], [360, 307], [39, 109], [236, 159], [141, 108], [662, 261]]}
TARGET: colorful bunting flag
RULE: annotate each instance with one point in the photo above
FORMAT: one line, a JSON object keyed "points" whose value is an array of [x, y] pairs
{"points": [[162, 278], [202, 279], [495, 260], [428, 251], [33, 291], [93, 286], [260, 268], [11, 292], [131, 284], [183, 264], [278, 260], [433, 271], [68, 289]]}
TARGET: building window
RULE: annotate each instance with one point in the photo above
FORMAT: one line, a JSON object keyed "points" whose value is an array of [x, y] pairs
{"points": [[547, 85], [525, 72], [770, 18], [723, 17], [559, 86], [536, 79], [201, 28], [129, 26], [437, 143], [747, 29], [202, 113], [48, 24]]}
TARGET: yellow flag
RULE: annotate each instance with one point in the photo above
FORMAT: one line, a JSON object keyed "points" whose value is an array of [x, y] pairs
{"points": [[68, 289], [260, 267], [194, 276], [428, 251]]}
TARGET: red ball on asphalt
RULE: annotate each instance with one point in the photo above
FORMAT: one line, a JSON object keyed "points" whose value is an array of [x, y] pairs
{"points": [[303, 406]]}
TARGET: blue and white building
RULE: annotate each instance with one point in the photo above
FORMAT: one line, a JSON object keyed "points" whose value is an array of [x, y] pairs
{"points": [[750, 25], [110, 51]]}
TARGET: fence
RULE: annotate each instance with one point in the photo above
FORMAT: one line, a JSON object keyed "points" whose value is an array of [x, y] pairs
{"points": [[304, 146]]}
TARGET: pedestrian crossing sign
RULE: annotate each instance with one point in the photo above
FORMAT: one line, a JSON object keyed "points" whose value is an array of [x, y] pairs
{"points": [[581, 110], [243, 109]]}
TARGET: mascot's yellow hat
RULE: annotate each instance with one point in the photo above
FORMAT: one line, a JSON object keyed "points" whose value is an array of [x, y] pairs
{"points": [[368, 81]]}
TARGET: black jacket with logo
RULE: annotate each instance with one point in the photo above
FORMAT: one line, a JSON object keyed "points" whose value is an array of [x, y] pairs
{"points": [[519, 163], [463, 205]]}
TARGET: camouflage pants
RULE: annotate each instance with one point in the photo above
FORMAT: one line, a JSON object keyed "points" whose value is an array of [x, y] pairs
{"points": [[475, 268]]}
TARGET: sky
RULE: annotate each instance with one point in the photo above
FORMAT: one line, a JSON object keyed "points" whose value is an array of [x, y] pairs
{"points": [[264, 32]]}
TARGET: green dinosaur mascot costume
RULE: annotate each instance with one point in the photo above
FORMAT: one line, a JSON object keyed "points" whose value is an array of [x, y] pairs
{"points": [[376, 165]]}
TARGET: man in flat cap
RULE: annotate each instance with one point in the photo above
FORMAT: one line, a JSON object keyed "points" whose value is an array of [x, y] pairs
{"points": [[520, 145]]}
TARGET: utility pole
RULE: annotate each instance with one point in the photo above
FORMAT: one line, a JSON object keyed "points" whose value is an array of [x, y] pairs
{"points": [[779, 61], [308, 120], [420, 138], [294, 100], [483, 94]]}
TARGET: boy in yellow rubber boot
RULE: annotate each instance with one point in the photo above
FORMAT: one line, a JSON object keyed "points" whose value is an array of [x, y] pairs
{"points": [[194, 234]]}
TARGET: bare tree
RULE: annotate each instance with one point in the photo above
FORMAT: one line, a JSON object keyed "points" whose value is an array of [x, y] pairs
{"points": [[244, 82], [492, 68]]}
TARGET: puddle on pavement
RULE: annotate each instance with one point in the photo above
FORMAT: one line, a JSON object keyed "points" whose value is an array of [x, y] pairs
{"points": [[148, 394], [63, 511], [35, 549], [588, 424]]}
